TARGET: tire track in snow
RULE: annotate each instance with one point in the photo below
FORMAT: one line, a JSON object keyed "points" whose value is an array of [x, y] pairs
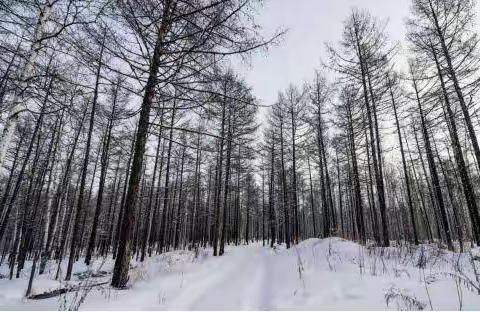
{"points": [[217, 286]]}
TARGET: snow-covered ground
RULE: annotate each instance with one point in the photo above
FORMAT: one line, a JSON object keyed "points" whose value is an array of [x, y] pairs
{"points": [[316, 274]]}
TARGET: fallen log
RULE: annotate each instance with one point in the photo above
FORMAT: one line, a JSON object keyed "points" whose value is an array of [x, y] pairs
{"points": [[61, 291]]}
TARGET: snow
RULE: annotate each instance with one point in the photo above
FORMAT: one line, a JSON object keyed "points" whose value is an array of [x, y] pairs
{"points": [[326, 274]]}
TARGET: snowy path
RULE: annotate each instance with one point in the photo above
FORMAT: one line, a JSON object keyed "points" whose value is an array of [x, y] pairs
{"points": [[244, 271], [318, 274]]}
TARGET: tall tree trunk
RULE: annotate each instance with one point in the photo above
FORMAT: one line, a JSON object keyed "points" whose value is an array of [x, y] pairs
{"points": [[312, 205], [433, 170], [80, 208], [103, 173], [458, 154], [120, 272], [166, 190], [284, 190], [356, 178], [124, 195], [340, 203], [148, 224], [376, 162], [404, 163], [196, 196], [178, 219], [218, 183], [227, 182], [294, 180], [271, 194]]}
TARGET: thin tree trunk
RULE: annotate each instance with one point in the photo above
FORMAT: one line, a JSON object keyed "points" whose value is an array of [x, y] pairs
{"points": [[404, 163], [284, 190], [227, 182], [433, 170], [103, 173], [80, 208], [312, 206]]}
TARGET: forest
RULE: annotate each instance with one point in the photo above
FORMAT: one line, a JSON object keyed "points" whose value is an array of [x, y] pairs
{"points": [[127, 134]]}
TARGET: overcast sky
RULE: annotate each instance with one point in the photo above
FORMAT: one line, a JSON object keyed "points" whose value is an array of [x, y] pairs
{"points": [[311, 23]]}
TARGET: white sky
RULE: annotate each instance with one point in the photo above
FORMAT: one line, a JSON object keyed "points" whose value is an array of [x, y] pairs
{"points": [[311, 23]]}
